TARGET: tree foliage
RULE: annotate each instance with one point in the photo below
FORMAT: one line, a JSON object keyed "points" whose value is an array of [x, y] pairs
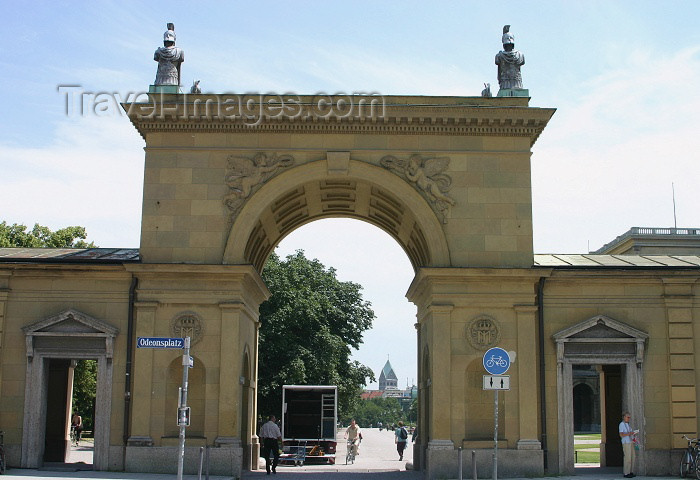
{"points": [[17, 235], [307, 328], [386, 410], [84, 391]]}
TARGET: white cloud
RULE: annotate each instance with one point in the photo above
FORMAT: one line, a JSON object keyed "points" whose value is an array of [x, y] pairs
{"points": [[607, 160], [90, 175]]}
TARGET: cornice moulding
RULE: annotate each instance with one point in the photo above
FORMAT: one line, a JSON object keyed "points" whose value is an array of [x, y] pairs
{"points": [[452, 116]]}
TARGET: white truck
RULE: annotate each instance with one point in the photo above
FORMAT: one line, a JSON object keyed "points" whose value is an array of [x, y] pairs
{"points": [[309, 422]]}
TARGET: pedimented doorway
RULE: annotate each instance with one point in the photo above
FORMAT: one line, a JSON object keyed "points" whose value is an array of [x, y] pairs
{"points": [[616, 350], [52, 345]]}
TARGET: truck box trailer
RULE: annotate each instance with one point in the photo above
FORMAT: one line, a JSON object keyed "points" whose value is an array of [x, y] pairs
{"points": [[309, 423]]}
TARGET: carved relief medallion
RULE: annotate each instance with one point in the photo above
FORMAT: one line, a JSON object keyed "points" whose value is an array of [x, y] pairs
{"points": [[245, 175], [425, 174], [187, 324], [483, 332]]}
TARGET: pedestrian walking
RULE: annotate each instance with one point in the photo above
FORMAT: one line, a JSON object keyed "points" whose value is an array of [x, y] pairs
{"points": [[400, 438], [271, 438]]}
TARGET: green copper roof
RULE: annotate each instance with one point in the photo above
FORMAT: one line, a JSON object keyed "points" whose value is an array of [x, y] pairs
{"points": [[388, 372]]}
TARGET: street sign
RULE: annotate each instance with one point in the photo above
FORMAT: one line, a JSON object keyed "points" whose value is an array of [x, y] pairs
{"points": [[496, 361], [159, 342], [496, 382], [183, 416]]}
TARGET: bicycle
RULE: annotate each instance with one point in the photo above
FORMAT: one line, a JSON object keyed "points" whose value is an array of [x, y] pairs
{"points": [[689, 460], [73, 436], [496, 361], [3, 465], [350, 456]]}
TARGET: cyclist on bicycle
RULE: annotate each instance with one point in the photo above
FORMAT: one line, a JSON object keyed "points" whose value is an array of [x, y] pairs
{"points": [[76, 423], [354, 436]]}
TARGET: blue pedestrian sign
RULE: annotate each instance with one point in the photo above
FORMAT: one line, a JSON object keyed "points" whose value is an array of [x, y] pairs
{"points": [[158, 342], [496, 361]]}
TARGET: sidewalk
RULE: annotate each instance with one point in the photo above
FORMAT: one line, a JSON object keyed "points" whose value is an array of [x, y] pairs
{"points": [[377, 460], [283, 474]]}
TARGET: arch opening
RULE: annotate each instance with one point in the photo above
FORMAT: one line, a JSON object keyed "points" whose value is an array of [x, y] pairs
{"points": [[371, 194], [365, 255]]}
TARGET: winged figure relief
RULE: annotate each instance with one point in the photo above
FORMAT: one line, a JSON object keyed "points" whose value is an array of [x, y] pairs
{"points": [[427, 175], [245, 174]]}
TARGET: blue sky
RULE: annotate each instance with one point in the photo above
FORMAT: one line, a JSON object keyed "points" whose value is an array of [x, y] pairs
{"points": [[621, 74]]}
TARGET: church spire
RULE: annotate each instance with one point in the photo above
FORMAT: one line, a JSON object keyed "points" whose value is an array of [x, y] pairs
{"points": [[387, 378]]}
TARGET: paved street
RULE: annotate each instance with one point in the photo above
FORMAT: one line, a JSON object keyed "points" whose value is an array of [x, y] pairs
{"points": [[377, 453], [378, 460]]}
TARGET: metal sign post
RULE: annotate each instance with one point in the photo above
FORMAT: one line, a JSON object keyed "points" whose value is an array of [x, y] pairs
{"points": [[183, 416], [495, 434], [183, 411], [496, 362]]}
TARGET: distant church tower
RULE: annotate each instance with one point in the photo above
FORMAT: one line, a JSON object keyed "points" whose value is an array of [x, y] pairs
{"points": [[387, 379]]}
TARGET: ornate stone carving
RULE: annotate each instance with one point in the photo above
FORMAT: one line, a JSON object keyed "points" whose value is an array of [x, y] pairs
{"points": [[187, 324], [246, 175], [483, 332], [426, 176]]}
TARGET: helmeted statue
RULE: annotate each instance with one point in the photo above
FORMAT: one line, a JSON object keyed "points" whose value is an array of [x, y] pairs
{"points": [[509, 62], [169, 58]]}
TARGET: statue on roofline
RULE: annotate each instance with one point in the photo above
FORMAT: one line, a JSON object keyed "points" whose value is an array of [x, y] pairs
{"points": [[509, 62], [169, 58]]}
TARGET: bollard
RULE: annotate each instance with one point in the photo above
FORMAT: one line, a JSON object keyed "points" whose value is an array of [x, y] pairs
{"points": [[459, 460], [474, 465], [201, 461]]}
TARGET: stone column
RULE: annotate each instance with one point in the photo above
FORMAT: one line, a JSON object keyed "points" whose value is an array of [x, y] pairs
{"points": [[603, 415], [254, 440], [143, 377], [526, 362], [417, 447], [565, 411]]}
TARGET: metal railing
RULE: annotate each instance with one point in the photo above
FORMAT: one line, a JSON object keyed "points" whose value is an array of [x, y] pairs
{"points": [[649, 231]]}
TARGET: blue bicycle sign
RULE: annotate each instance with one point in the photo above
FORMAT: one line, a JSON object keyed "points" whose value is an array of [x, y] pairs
{"points": [[496, 361]]}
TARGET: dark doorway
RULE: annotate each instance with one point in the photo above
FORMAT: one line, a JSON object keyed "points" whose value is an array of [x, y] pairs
{"points": [[69, 390], [584, 409], [613, 410], [60, 378]]}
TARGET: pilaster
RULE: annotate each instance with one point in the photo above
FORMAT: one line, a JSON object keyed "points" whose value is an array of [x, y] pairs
{"points": [[143, 377], [229, 385], [440, 375], [682, 343], [526, 318], [4, 293]]}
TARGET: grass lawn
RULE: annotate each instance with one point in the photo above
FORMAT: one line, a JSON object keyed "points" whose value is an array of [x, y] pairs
{"points": [[584, 456], [588, 457]]}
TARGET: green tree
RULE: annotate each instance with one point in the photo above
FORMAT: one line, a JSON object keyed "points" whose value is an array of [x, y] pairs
{"points": [[17, 235], [374, 410], [84, 391], [413, 412], [308, 326]]}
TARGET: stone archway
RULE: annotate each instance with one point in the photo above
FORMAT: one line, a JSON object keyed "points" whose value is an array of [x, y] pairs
{"points": [[314, 191], [69, 335], [600, 340], [448, 178]]}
